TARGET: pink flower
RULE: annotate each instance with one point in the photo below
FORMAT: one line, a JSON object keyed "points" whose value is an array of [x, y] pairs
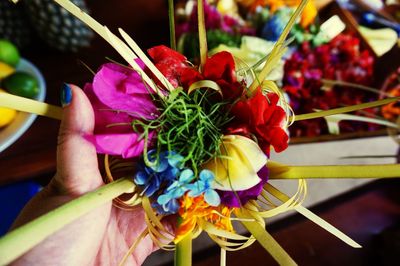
{"points": [[118, 97]]}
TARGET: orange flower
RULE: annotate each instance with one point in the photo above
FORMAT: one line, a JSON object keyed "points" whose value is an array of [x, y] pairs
{"points": [[193, 209], [253, 4], [392, 111], [308, 16]]}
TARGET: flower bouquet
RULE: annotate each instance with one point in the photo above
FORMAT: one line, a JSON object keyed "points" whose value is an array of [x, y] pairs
{"points": [[195, 141]]}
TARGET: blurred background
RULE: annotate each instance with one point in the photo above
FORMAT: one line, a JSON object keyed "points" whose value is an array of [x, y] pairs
{"points": [[340, 53]]}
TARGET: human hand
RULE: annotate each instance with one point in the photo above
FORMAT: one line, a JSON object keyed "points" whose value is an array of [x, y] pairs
{"points": [[101, 237]]}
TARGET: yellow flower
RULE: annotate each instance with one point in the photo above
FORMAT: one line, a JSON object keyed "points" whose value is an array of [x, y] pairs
{"points": [[193, 209], [237, 166]]}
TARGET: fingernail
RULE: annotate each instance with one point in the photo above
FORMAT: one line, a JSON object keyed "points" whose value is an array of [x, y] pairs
{"points": [[66, 95]]}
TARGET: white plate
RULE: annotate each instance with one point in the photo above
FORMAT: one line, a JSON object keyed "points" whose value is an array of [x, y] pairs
{"points": [[22, 121]]}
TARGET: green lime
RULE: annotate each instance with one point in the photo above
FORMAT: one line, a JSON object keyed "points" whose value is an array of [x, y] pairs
{"points": [[9, 53], [21, 84]]}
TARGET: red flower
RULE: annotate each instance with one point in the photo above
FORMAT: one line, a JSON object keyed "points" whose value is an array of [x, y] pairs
{"points": [[169, 62], [219, 68], [261, 116]]}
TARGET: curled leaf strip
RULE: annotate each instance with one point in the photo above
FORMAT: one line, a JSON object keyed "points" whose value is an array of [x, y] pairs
{"points": [[208, 84], [112, 164], [265, 239], [346, 109], [315, 218]]}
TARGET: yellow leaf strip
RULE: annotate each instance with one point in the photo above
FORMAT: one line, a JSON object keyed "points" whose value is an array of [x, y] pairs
{"points": [[232, 246], [84, 17], [205, 84], [331, 83], [126, 53], [156, 229], [278, 171], [266, 240], [22, 104], [212, 229], [276, 52], [114, 164], [132, 248], [22, 239], [296, 200], [202, 34], [346, 109], [333, 121], [136, 49], [314, 218], [222, 237], [149, 211]]}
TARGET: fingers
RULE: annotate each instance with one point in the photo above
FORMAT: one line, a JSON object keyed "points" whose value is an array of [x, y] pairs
{"points": [[77, 166]]}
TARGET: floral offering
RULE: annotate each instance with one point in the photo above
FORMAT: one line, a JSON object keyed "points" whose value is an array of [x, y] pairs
{"points": [[305, 81], [223, 162]]}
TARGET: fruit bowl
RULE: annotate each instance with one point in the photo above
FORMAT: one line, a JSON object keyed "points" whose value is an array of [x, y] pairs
{"points": [[21, 123]]}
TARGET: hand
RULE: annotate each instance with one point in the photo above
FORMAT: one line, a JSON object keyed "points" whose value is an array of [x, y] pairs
{"points": [[101, 237]]}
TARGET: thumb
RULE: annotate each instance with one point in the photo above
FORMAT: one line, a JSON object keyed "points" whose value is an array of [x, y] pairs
{"points": [[77, 166]]}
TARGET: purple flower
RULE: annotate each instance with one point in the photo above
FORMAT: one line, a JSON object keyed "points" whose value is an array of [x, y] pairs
{"points": [[230, 199], [118, 97]]}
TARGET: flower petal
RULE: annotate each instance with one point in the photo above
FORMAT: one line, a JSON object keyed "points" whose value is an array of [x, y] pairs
{"points": [[125, 144], [237, 170], [195, 189], [159, 164], [151, 188], [163, 199], [206, 175], [175, 160], [172, 206], [186, 176], [121, 88], [140, 178], [170, 173], [105, 116], [212, 197], [178, 192]]}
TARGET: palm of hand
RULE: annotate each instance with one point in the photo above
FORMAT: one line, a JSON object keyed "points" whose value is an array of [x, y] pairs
{"points": [[101, 237]]}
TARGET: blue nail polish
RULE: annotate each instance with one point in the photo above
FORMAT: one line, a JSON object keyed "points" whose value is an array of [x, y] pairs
{"points": [[66, 94]]}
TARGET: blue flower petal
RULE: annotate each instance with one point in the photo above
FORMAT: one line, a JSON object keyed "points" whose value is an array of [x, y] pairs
{"points": [[212, 197], [161, 166], [178, 192], [140, 178], [150, 189], [194, 193], [161, 162], [173, 186], [196, 189], [159, 209], [170, 173], [207, 175], [175, 160], [163, 199], [172, 206], [186, 176]]}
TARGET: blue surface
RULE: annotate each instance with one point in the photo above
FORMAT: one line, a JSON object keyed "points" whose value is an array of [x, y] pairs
{"points": [[12, 199]]}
